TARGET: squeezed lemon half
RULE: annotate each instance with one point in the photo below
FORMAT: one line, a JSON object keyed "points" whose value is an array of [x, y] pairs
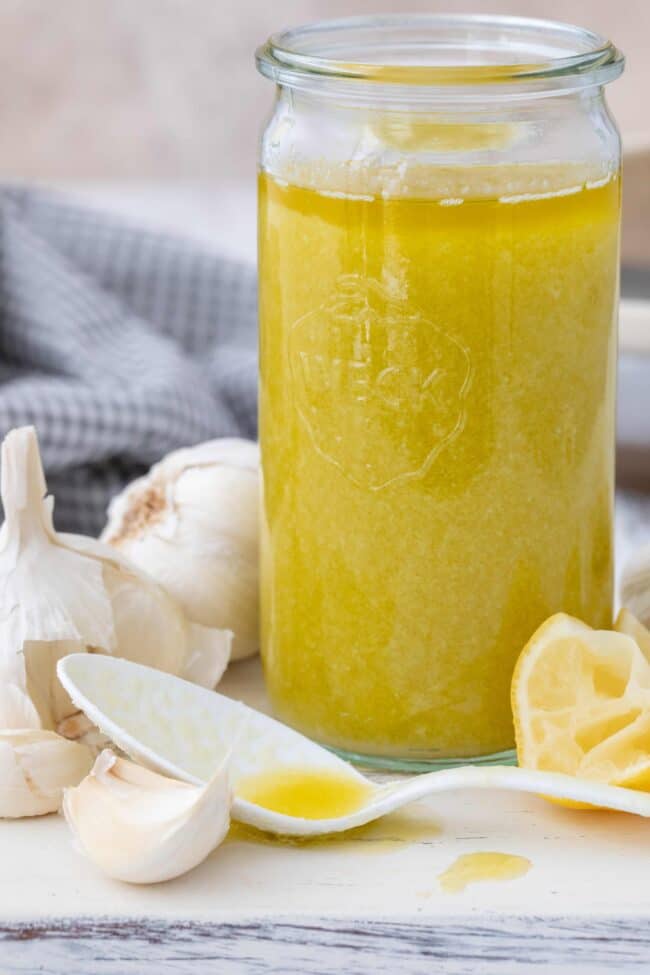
{"points": [[581, 702]]}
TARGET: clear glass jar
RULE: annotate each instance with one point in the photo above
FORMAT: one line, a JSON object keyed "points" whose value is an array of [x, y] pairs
{"points": [[439, 208]]}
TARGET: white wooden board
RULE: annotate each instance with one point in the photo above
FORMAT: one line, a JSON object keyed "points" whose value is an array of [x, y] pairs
{"points": [[373, 904]]}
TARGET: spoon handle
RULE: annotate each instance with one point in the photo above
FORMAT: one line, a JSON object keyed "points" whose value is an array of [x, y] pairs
{"points": [[392, 796], [514, 779]]}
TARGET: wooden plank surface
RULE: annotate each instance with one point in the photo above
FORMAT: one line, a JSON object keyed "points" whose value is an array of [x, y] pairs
{"points": [[490, 946]]}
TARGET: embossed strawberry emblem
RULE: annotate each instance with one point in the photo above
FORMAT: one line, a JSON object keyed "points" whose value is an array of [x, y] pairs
{"points": [[380, 387]]}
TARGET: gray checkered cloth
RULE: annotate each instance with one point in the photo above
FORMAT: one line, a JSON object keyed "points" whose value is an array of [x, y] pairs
{"points": [[118, 344]]}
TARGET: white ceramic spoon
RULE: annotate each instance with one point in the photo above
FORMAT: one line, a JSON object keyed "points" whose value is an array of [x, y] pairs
{"points": [[183, 730]]}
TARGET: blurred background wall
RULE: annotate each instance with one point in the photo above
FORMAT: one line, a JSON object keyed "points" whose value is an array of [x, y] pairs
{"points": [[152, 109], [166, 90]]}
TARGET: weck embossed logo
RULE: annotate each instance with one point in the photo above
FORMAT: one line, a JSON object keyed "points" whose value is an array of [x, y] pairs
{"points": [[380, 387]]}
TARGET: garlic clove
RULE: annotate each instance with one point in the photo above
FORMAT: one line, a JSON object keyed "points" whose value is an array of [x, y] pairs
{"points": [[35, 767], [142, 827], [192, 524]]}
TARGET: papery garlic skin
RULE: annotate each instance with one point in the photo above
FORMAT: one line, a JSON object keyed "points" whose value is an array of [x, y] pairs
{"points": [[635, 585], [62, 594], [627, 622], [142, 827], [150, 626], [79, 728], [17, 708], [210, 655], [35, 767], [193, 524]]}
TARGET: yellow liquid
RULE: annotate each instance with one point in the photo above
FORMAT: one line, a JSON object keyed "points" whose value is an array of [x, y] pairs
{"points": [[472, 868], [306, 794], [390, 834], [436, 420]]}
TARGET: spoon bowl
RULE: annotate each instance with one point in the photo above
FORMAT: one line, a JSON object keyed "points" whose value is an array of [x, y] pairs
{"points": [[185, 731]]}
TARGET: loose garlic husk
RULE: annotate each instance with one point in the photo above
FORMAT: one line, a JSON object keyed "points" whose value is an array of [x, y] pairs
{"points": [[627, 623], [635, 585], [79, 728], [142, 827], [192, 524], [62, 594], [35, 767]]}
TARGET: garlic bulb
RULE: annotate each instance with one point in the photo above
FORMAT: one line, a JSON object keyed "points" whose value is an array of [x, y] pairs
{"points": [[35, 767], [142, 827], [635, 585], [192, 524], [62, 594]]}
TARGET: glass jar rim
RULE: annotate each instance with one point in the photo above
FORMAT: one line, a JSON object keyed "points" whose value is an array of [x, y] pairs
{"points": [[464, 52]]}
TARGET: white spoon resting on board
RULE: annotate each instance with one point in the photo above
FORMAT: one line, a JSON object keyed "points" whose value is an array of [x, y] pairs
{"points": [[184, 731]]}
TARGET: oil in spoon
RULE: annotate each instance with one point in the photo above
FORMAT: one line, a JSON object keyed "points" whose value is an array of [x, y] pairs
{"points": [[307, 794]]}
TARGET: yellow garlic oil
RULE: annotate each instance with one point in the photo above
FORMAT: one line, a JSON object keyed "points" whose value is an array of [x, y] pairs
{"points": [[473, 868], [436, 420], [305, 793]]}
